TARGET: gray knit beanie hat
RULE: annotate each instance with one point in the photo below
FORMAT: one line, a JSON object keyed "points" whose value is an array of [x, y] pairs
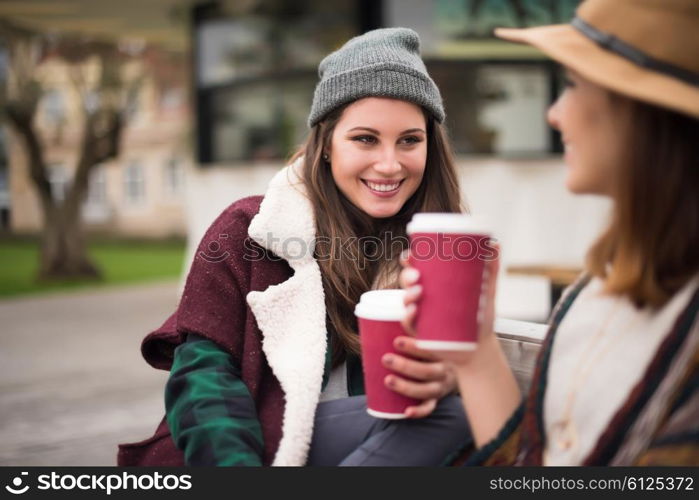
{"points": [[381, 63]]}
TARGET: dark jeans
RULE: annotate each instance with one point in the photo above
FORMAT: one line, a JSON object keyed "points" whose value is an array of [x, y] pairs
{"points": [[345, 435]]}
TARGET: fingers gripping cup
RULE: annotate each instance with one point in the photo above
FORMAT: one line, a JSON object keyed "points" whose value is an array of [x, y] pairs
{"points": [[379, 313], [450, 251]]}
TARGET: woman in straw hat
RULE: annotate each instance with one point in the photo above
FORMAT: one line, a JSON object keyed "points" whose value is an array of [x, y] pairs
{"points": [[617, 378]]}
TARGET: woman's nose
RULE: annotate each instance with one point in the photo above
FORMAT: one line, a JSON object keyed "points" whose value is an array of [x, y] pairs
{"points": [[552, 115], [388, 163]]}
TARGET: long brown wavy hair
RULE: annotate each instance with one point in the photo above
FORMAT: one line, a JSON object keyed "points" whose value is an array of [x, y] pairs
{"points": [[651, 246], [348, 270]]}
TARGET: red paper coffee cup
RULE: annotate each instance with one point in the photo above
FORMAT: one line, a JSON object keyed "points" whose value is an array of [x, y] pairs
{"points": [[450, 251], [379, 313]]}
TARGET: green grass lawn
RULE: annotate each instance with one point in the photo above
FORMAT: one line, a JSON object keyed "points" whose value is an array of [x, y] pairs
{"points": [[121, 261]]}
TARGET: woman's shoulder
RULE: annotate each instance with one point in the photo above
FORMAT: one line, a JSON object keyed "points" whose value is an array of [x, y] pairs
{"points": [[245, 208], [238, 214]]}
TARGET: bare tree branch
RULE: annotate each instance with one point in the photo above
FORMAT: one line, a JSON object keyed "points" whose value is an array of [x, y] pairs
{"points": [[22, 122], [78, 80]]}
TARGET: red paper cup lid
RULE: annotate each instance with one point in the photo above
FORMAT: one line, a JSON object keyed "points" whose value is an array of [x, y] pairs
{"points": [[381, 305], [437, 222]]}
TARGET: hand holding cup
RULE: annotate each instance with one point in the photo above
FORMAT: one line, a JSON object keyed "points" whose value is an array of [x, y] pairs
{"points": [[419, 374], [410, 281]]}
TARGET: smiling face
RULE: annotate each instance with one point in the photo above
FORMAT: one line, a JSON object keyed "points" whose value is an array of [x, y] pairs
{"points": [[378, 152], [593, 130]]}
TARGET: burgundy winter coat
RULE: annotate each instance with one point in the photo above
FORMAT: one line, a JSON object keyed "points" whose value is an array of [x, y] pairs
{"points": [[213, 306]]}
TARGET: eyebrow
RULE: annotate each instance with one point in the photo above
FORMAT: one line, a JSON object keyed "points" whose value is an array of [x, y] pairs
{"points": [[374, 131]]}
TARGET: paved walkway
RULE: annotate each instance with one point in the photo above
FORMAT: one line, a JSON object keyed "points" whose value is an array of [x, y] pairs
{"points": [[72, 380]]}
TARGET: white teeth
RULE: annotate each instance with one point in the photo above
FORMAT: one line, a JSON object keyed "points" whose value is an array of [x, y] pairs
{"points": [[383, 187]]}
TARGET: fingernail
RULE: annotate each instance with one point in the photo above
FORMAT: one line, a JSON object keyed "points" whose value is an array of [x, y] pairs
{"points": [[412, 274], [391, 382], [388, 359], [415, 290], [400, 343]]}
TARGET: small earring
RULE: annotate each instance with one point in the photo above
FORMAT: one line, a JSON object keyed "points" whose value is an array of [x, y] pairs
{"points": [[326, 157]]}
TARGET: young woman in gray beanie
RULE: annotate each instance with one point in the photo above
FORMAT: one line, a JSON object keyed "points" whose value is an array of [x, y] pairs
{"points": [[263, 348]]}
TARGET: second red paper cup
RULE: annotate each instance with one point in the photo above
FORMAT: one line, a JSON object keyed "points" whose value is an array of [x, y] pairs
{"points": [[379, 313], [450, 251]]}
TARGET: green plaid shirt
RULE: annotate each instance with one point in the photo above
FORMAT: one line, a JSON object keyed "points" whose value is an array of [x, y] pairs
{"points": [[210, 412]]}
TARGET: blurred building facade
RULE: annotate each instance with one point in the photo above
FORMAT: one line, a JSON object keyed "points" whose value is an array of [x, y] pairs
{"points": [[139, 194], [256, 69]]}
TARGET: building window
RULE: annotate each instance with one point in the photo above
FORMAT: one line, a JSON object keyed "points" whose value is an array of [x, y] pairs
{"points": [[134, 184], [256, 68], [495, 93], [132, 106], [496, 108], [463, 29], [92, 101], [59, 181], [174, 177], [172, 99], [97, 186], [54, 106]]}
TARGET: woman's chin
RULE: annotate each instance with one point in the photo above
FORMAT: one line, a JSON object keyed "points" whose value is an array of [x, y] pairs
{"points": [[381, 212], [573, 183]]}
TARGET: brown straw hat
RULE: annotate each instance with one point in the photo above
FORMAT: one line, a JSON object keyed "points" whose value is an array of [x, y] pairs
{"points": [[644, 49]]}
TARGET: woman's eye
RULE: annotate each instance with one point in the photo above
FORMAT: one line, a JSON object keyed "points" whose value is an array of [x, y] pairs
{"points": [[411, 139], [366, 139], [568, 82]]}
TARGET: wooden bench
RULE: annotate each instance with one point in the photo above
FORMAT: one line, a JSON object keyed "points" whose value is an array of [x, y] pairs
{"points": [[521, 341], [560, 277]]}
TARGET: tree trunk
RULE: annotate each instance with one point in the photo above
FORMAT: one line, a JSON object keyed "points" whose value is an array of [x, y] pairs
{"points": [[63, 252], [63, 248]]}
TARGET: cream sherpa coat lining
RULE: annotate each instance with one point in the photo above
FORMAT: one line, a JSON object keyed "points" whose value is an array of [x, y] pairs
{"points": [[291, 315]]}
